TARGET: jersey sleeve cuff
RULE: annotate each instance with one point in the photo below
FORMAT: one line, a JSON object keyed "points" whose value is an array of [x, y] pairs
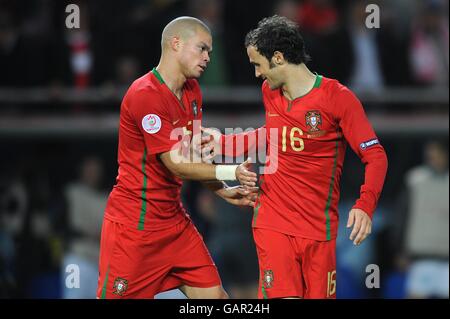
{"points": [[364, 207]]}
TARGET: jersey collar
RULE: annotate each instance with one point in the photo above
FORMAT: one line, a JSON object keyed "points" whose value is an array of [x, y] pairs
{"points": [[158, 76]]}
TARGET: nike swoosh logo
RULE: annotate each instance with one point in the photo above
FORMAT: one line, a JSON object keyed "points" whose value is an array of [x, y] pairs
{"points": [[273, 114], [175, 122]]}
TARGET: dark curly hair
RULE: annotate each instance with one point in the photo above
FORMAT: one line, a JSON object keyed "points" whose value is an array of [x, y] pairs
{"points": [[278, 33]]}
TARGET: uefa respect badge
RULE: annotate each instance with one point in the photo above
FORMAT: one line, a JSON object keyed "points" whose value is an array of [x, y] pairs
{"points": [[151, 123]]}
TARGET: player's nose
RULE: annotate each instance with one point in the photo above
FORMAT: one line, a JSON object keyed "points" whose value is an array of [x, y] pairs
{"points": [[206, 57]]}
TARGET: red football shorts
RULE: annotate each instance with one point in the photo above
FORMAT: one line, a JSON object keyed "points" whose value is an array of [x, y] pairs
{"points": [[292, 266], [139, 264]]}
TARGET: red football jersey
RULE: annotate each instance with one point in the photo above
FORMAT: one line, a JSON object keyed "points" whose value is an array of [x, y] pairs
{"points": [[299, 190], [152, 120]]}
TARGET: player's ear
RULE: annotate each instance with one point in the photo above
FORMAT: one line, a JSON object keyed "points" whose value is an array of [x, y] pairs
{"points": [[278, 58], [175, 43]]}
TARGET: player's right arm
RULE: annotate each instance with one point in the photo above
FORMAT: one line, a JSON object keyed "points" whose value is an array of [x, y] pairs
{"points": [[151, 115], [174, 161]]}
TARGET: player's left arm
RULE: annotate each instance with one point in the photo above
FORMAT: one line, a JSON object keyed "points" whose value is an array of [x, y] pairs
{"points": [[360, 135], [234, 145]]}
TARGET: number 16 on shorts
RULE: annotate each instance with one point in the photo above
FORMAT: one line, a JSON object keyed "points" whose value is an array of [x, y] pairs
{"points": [[331, 283]]}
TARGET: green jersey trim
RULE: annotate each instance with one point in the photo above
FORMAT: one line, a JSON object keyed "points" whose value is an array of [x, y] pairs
{"points": [[330, 194], [143, 195], [105, 282], [158, 76]]}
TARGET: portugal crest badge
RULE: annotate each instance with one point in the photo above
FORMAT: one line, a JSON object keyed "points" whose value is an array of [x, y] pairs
{"points": [[268, 278], [313, 120], [120, 286]]}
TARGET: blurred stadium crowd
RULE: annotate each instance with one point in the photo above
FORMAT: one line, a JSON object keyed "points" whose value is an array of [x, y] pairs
{"points": [[59, 86]]}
